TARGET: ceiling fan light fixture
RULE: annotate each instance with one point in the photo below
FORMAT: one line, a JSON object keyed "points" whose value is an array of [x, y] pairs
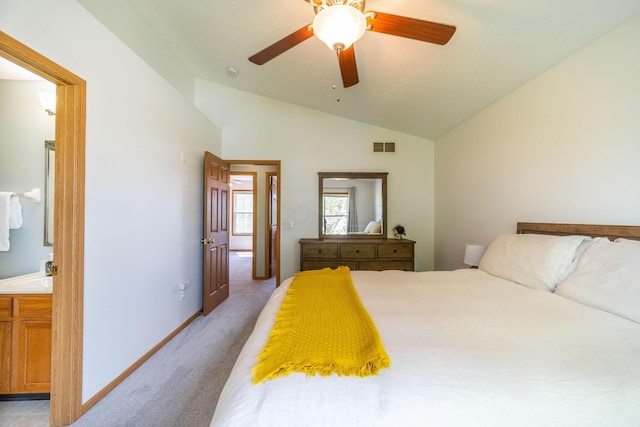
{"points": [[339, 26]]}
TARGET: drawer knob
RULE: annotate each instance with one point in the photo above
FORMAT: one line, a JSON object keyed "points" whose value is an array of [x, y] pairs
{"points": [[319, 251], [357, 251], [395, 250]]}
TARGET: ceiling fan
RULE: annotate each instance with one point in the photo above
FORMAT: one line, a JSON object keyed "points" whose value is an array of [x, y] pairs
{"points": [[340, 23]]}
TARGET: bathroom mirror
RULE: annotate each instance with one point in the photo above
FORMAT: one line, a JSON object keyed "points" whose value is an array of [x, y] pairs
{"points": [[352, 204], [49, 183]]}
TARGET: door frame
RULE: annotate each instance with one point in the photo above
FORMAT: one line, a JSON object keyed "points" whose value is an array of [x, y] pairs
{"points": [[268, 222], [277, 164], [68, 230]]}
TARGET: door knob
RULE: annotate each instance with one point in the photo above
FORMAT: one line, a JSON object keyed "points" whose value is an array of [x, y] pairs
{"points": [[205, 241]]}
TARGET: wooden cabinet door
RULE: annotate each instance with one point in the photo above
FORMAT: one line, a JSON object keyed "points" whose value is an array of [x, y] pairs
{"points": [[25, 344], [32, 357], [5, 357]]}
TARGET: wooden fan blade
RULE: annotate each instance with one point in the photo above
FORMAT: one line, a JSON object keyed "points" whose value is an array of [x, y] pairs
{"points": [[411, 28], [348, 69], [282, 45]]}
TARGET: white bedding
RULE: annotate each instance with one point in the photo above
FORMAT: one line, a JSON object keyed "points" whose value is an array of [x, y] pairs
{"points": [[466, 349]]}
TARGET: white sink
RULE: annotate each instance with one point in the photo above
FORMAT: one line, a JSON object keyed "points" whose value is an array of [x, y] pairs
{"points": [[33, 283]]}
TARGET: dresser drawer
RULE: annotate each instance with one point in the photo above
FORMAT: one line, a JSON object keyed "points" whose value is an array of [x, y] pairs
{"points": [[396, 250], [357, 250], [5, 307], [34, 307], [320, 250], [320, 264]]}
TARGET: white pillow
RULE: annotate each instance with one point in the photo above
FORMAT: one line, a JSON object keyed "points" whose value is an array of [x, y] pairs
{"points": [[369, 226], [629, 241], [607, 277], [534, 260], [373, 227]]}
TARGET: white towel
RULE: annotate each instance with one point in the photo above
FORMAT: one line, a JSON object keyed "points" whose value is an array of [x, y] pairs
{"points": [[5, 214], [15, 217], [10, 217]]}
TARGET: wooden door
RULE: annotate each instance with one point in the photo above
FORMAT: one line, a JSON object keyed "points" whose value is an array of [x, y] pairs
{"points": [[215, 239], [273, 223]]}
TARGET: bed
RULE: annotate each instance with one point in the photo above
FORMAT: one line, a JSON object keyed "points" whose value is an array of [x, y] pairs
{"points": [[526, 339]]}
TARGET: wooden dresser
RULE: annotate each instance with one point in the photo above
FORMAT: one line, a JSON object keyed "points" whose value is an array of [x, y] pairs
{"points": [[357, 254]]}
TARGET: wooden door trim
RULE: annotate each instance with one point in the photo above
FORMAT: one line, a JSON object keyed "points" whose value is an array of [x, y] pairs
{"points": [[68, 299], [268, 228], [277, 164]]}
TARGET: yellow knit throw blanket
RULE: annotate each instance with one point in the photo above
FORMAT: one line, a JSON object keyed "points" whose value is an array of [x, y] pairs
{"points": [[322, 328]]}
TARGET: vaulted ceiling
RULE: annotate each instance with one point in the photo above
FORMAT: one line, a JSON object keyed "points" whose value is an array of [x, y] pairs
{"points": [[405, 85]]}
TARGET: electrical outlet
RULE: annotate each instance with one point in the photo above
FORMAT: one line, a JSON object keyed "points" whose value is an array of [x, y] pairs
{"points": [[182, 288]]}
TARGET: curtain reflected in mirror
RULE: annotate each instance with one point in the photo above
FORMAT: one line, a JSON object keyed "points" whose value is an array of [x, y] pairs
{"points": [[49, 187], [352, 210]]}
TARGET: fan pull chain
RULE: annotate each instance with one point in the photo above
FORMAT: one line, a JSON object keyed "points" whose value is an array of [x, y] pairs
{"points": [[336, 89]]}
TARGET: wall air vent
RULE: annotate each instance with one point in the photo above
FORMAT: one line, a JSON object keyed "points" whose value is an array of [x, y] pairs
{"points": [[384, 147]]}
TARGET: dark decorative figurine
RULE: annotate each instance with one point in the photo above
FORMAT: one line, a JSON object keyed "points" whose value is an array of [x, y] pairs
{"points": [[398, 232]]}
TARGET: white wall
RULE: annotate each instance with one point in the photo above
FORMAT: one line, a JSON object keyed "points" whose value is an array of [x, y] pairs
{"points": [[24, 126], [308, 142], [143, 205], [562, 148]]}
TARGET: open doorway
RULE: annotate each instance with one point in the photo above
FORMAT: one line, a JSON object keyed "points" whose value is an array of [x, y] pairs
{"points": [[67, 311], [254, 189], [243, 221], [27, 160]]}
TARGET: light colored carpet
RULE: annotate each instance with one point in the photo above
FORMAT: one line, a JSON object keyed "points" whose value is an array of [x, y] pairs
{"points": [[26, 413], [180, 384]]}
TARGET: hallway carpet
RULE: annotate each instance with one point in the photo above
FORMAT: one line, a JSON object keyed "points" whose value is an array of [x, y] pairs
{"points": [[179, 386]]}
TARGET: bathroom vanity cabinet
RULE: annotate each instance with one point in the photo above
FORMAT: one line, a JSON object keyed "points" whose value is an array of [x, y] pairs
{"points": [[25, 343]]}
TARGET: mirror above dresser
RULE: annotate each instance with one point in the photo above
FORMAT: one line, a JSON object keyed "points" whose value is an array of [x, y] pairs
{"points": [[352, 229], [352, 204]]}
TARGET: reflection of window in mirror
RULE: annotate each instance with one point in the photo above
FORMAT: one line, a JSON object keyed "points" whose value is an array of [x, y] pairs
{"points": [[49, 185], [335, 211]]}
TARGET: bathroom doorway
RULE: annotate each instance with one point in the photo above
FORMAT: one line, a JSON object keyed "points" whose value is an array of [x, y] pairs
{"points": [[67, 312]]}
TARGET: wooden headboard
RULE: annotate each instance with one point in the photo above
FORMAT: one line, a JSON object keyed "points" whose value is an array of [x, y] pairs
{"points": [[594, 230]]}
